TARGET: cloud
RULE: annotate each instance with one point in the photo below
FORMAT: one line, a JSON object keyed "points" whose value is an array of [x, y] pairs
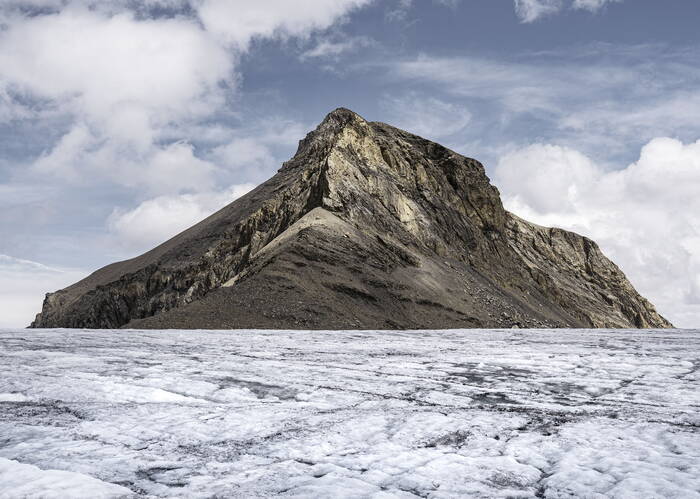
{"points": [[531, 10], [245, 154], [125, 75], [332, 49], [644, 216], [157, 220], [452, 4], [399, 10], [80, 156], [596, 97], [24, 284], [65, 159], [256, 151], [549, 177], [592, 5], [428, 117], [399, 13], [175, 168], [670, 111], [238, 23], [132, 75], [10, 264], [249, 154], [517, 86], [119, 80]]}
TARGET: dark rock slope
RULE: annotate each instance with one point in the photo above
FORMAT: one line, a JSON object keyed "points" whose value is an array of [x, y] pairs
{"points": [[366, 227]]}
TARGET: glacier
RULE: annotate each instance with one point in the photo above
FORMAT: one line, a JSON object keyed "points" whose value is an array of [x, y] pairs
{"points": [[471, 413]]}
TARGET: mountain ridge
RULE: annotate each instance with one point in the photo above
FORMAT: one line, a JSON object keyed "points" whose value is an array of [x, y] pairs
{"points": [[367, 226]]}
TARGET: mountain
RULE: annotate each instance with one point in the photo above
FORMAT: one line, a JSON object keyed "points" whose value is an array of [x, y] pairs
{"points": [[367, 226]]}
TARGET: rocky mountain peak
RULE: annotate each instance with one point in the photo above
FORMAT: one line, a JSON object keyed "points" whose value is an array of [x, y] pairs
{"points": [[366, 226], [320, 140]]}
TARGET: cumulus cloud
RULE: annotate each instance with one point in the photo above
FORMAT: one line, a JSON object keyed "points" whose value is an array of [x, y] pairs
{"points": [[80, 156], [157, 220], [24, 284], [248, 154], [175, 168], [123, 73], [67, 154], [549, 177], [238, 23], [644, 216], [244, 153]]}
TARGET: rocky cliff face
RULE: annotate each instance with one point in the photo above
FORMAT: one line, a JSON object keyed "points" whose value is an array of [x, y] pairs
{"points": [[367, 226]]}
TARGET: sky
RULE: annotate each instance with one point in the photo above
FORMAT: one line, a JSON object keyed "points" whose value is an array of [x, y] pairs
{"points": [[124, 122]]}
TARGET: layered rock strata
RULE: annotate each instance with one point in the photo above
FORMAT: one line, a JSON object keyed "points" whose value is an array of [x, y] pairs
{"points": [[370, 227]]}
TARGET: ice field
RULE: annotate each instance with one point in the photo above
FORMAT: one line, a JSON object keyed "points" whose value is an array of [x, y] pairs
{"points": [[476, 413]]}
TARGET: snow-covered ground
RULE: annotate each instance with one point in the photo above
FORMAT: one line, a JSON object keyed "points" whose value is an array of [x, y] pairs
{"points": [[476, 413]]}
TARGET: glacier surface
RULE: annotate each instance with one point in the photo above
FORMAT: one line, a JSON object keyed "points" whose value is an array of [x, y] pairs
{"points": [[476, 413]]}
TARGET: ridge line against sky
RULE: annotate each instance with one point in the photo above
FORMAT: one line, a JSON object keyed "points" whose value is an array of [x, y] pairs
{"points": [[124, 122]]}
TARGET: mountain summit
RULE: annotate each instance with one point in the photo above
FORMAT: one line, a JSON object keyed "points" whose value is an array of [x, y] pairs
{"points": [[370, 227]]}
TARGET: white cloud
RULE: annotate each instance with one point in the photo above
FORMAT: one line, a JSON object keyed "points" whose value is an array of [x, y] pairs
{"points": [[548, 177], [10, 264], [400, 9], [65, 159], [121, 80], [592, 5], [244, 153], [127, 77], [250, 153], [645, 216], [428, 117], [24, 284], [80, 156], [157, 220], [531, 10], [238, 23], [328, 48], [121, 73], [175, 168]]}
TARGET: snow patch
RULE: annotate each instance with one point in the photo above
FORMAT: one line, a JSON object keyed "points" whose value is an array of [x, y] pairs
{"points": [[24, 480]]}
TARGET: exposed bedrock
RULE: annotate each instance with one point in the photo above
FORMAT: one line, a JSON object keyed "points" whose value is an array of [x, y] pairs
{"points": [[367, 226]]}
